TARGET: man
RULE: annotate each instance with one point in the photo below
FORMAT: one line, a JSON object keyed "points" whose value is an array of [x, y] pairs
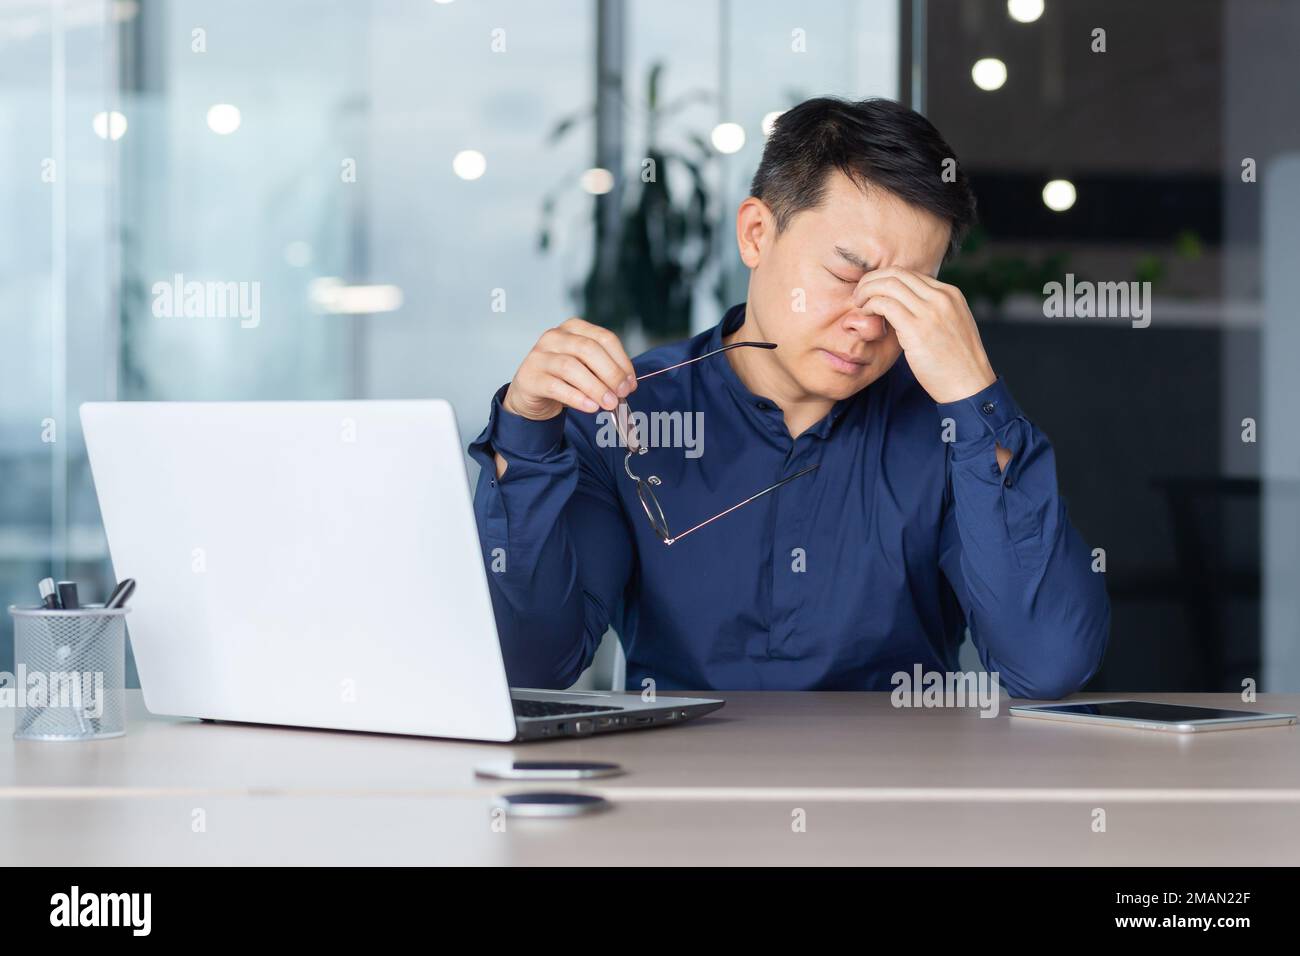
{"points": [[931, 504]]}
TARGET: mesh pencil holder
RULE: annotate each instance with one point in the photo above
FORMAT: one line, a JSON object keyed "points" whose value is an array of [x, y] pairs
{"points": [[71, 673]]}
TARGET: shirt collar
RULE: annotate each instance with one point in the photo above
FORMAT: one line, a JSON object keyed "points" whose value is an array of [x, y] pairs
{"points": [[764, 411]]}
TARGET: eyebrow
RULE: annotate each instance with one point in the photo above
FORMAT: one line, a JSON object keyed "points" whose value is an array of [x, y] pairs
{"points": [[853, 259]]}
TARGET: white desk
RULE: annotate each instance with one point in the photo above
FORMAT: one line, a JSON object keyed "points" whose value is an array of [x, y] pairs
{"points": [[878, 785]]}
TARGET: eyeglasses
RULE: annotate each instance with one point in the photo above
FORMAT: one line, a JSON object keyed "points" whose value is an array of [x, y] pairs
{"points": [[653, 510]]}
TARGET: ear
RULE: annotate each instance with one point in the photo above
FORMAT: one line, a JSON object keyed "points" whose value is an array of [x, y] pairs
{"points": [[755, 230]]}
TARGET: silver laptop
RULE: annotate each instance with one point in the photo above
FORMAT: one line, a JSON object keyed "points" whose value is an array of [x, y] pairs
{"points": [[317, 564]]}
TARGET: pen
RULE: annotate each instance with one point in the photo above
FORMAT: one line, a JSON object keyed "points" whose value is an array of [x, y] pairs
{"points": [[121, 594], [68, 595], [49, 596], [67, 600]]}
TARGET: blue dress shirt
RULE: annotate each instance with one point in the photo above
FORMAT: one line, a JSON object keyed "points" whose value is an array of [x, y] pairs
{"points": [[905, 535]]}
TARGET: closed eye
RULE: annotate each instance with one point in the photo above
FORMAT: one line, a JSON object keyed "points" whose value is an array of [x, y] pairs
{"points": [[841, 278]]}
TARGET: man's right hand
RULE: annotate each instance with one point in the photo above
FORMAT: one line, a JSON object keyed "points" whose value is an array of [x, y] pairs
{"points": [[576, 364]]}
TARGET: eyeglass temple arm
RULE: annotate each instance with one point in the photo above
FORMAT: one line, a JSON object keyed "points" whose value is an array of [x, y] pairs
{"points": [[733, 345], [720, 514], [698, 358]]}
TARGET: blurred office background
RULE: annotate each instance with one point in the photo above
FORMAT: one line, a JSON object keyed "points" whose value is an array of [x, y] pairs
{"points": [[419, 189]]}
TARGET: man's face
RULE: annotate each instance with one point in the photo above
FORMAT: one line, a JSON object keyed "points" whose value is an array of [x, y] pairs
{"points": [[830, 349]]}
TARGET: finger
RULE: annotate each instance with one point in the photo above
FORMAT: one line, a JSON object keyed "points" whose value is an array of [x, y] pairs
{"points": [[894, 312], [945, 290], [915, 281], [601, 363], [933, 283], [575, 372], [899, 306], [951, 293], [896, 285], [609, 341], [610, 344], [561, 391], [627, 427], [575, 322]]}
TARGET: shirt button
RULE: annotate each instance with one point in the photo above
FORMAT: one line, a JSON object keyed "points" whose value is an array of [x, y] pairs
{"points": [[1007, 482], [987, 408], [763, 406]]}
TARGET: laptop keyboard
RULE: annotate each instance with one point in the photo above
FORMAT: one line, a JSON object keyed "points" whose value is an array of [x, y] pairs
{"points": [[553, 708]]}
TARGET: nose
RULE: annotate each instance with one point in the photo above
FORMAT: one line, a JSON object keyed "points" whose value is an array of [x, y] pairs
{"points": [[866, 326]]}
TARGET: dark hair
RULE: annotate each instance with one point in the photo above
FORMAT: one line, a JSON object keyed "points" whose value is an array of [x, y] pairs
{"points": [[875, 142]]}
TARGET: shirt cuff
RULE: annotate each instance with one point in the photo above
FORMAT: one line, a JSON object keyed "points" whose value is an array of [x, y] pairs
{"points": [[514, 435], [984, 414]]}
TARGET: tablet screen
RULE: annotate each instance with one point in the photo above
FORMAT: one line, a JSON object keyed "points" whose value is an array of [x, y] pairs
{"points": [[1143, 710]]}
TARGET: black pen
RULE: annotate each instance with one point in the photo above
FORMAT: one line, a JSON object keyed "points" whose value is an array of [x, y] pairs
{"points": [[121, 594], [49, 596]]}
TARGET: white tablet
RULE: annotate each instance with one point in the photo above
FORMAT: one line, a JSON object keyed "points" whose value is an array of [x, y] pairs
{"points": [[1148, 715]]}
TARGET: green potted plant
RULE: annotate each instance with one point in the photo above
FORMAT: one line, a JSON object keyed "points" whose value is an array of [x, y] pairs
{"points": [[663, 242]]}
